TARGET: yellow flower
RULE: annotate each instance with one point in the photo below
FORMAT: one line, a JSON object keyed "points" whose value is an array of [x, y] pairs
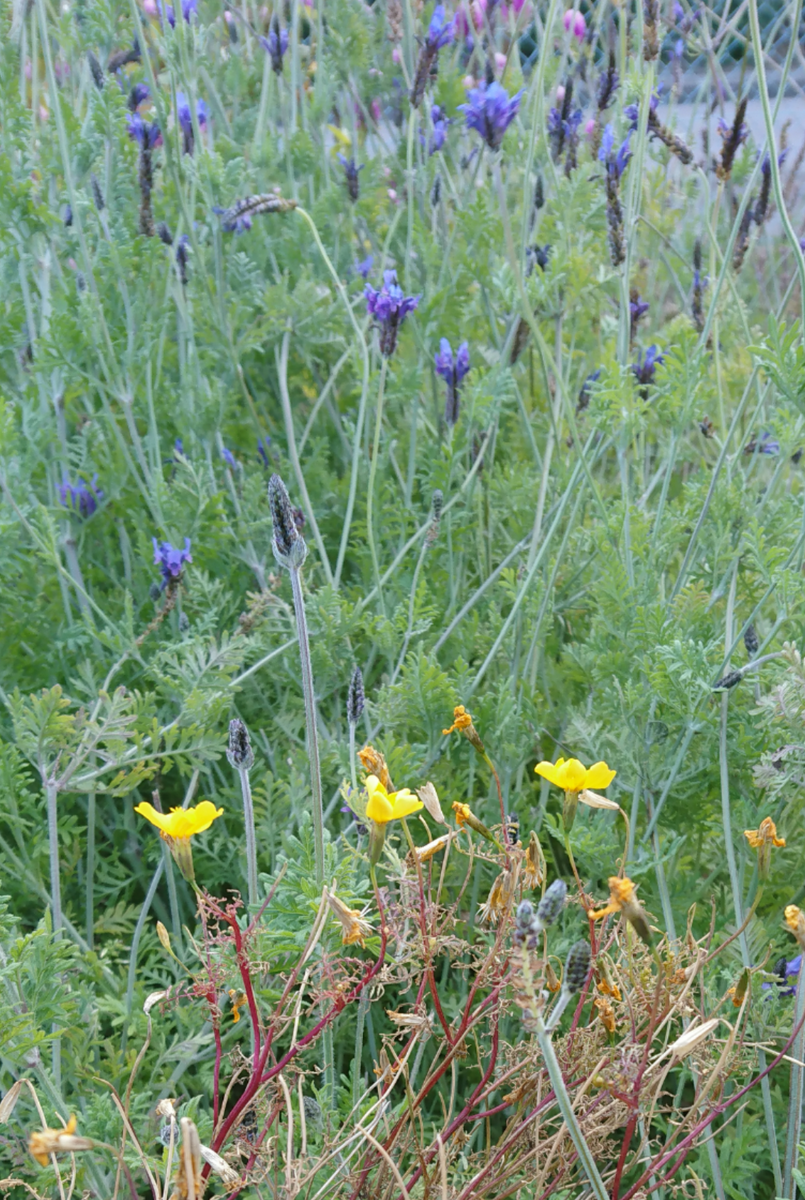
{"points": [[462, 723], [622, 899], [570, 775], [385, 806], [178, 826], [43, 1143], [462, 812], [180, 822]]}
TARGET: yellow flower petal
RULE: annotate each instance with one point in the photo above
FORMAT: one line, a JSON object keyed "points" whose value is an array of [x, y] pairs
{"points": [[378, 808], [550, 772], [180, 822], [599, 775], [404, 803]]}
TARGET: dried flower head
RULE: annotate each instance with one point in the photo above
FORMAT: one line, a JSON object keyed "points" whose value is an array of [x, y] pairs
{"points": [[606, 1013], [465, 816], [188, 1182], [430, 798], [462, 723], [422, 854], [795, 920], [762, 839], [354, 928], [43, 1143], [533, 863], [622, 899], [356, 699], [498, 902], [552, 903], [693, 1036], [374, 763]]}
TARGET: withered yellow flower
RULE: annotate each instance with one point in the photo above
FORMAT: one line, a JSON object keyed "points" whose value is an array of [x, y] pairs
{"points": [[465, 816], [42, 1143], [384, 806], [762, 839], [374, 763], [795, 920], [533, 863], [238, 1000], [353, 926], [499, 899], [609, 989], [430, 798], [606, 1013], [462, 723], [622, 899], [423, 853]]}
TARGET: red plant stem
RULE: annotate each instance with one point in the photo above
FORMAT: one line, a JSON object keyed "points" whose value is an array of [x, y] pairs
{"points": [[634, 1101], [243, 967], [437, 1004], [657, 1165], [216, 1074], [258, 1143]]}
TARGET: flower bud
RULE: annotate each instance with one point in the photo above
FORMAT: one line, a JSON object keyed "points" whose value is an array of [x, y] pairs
{"points": [[552, 903], [355, 697], [576, 967], [288, 544], [240, 753], [164, 937]]}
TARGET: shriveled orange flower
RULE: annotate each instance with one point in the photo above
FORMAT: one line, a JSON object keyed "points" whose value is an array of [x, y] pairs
{"points": [[795, 920], [622, 899], [238, 1000], [465, 816], [374, 763], [462, 723], [762, 839], [609, 989], [353, 926], [44, 1142], [606, 1013], [499, 900]]}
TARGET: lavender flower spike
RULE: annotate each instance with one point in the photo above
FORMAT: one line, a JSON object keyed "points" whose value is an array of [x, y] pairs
{"points": [[439, 135], [645, 368], [275, 45], [452, 372], [81, 497], [490, 110], [440, 33], [169, 560], [185, 120], [389, 307], [351, 176]]}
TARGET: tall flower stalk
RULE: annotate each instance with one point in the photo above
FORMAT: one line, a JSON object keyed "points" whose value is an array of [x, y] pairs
{"points": [[290, 552], [241, 757]]}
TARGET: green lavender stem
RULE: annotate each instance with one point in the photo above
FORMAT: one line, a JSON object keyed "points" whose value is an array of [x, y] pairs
{"points": [[89, 910], [251, 840], [52, 792], [310, 718], [370, 495], [795, 1091]]}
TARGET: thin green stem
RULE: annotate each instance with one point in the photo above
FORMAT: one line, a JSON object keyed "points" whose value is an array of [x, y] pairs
{"points": [[370, 492], [251, 840], [310, 720]]}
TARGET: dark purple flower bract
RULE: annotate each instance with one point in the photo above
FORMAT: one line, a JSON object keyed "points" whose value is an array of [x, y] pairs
{"points": [[440, 31], [645, 368], [452, 371], [275, 45], [616, 162], [364, 267], [491, 110], [143, 132], [82, 497], [389, 307]]}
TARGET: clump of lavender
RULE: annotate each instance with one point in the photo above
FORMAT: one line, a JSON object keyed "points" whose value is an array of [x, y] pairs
{"points": [[651, 43], [761, 210], [364, 267], [638, 307], [563, 129], [82, 497], [490, 110], [440, 33], [699, 284], [185, 120], [147, 135], [767, 445], [351, 176], [121, 58], [389, 307], [732, 136], [644, 368], [452, 371], [615, 163], [275, 45], [171, 560], [607, 86], [658, 130]]}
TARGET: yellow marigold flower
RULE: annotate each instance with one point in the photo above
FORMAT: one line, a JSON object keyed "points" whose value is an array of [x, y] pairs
{"points": [[795, 920], [462, 723], [42, 1143], [353, 926], [384, 806], [570, 775], [178, 826], [762, 839], [180, 822], [622, 899], [374, 763]]}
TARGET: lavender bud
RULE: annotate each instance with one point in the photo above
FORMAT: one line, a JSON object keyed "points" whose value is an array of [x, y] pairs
{"points": [[97, 194], [240, 753], [524, 915], [751, 641], [539, 193], [164, 234], [577, 965], [96, 70], [728, 681], [356, 699], [289, 545], [437, 500], [436, 192], [552, 903]]}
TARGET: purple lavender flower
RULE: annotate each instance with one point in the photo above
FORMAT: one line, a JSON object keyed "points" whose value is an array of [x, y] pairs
{"points": [[275, 45], [440, 31], [364, 267], [632, 111], [178, 448], [452, 371], [169, 560], [185, 119], [145, 133], [585, 390], [138, 94], [262, 451], [182, 251], [351, 176], [239, 224], [766, 445], [82, 497], [645, 368], [638, 307], [619, 161], [537, 256], [563, 127], [189, 8], [491, 110], [785, 970], [228, 458], [389, 307], [725, 130], [439, 135]]}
